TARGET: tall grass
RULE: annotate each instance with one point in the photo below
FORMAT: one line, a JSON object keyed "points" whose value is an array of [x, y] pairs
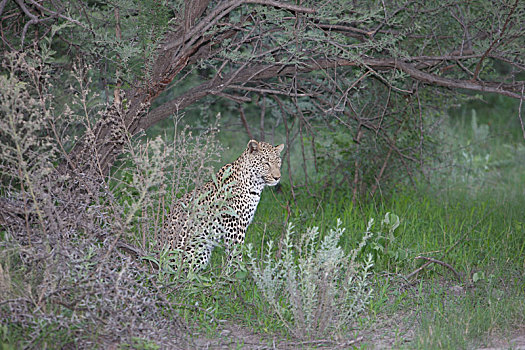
{"points": [[469, 216]]}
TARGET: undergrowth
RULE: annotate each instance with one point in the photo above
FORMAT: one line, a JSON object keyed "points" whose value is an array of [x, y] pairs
{"points": [[315, 288], [452, 263], [67, 277]]}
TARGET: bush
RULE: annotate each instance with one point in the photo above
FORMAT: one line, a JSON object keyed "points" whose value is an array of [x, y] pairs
{"points": [[316, 288], [64, 280]]}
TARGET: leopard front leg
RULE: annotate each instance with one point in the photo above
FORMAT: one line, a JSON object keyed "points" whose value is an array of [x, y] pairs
{"points": [[233, 242], [199, 257]]}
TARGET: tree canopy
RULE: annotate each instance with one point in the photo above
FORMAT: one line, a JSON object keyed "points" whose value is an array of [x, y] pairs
{"points": [[310, 59]]}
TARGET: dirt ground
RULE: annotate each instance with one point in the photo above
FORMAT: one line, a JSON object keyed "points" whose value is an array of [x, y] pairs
{"points": [[387, 331], [237, 337]]}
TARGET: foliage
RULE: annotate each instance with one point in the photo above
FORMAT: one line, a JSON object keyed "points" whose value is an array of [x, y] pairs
{"points": [[356, 90], [315, 288], [356, 80], [372, 147], [63, 278], [480, 231], [478, 150], [153, 173], [27, 151], [382, 243]]}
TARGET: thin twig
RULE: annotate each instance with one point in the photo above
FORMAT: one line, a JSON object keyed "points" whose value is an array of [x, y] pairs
{"points": [[234, 98], [245, 123], [439, 262], [323, 341], [419, 269], [268, 91], [360, 133], [57, 14], [34, 20], [493, 44], [263, 113], [519, 111]]}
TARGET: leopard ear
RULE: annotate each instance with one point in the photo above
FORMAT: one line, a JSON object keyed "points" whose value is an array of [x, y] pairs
{"points": [[279, 148], [253, 146]]}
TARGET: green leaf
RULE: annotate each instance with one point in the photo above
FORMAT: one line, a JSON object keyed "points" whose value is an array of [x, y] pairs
{"points": [[241, 274]]}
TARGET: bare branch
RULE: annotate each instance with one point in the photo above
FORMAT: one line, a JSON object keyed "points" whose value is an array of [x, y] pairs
{"points": [[482, 86], [519, 111], [34, 20], [436, 261], [245, 123], [281, 5], [2, 6], [268, 91], [57, 14], [496, 42], [262, 72]]}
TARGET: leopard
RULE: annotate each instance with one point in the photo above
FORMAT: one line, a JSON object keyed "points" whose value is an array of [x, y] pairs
{"points": [[220, 211]]}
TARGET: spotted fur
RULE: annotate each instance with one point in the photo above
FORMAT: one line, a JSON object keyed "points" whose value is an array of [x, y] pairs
{"points": [[222, 210]]}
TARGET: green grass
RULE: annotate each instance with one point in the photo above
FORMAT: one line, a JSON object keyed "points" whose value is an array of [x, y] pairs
{"points": [[472, 320], [474, 223], [480, 236], [471, 217]]}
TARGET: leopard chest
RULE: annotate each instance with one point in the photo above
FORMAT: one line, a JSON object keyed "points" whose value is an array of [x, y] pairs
{"points": [[245, 204]]}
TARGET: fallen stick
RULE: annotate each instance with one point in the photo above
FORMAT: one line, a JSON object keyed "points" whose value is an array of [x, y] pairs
{"points": [[436, 261], [416, 271]]}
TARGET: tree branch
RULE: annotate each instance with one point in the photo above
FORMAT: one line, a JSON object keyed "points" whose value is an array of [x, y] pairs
{"points": [[57, 14], [245, 123], [2, 6], [493, 44], [191, 41], [224, 9], [263, 72], [435, 261]]}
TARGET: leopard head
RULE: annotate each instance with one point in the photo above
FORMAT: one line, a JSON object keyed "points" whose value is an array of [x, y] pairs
{"points": [[265, 161]]}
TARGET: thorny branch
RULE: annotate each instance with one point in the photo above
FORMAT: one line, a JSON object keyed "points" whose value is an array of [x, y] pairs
{"points": [[295, 69], [34, 19], [519, 111], [496, 42]]}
